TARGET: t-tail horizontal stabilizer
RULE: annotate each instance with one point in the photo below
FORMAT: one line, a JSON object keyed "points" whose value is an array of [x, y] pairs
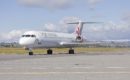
{"points": [[80, 25], [79, 28]]}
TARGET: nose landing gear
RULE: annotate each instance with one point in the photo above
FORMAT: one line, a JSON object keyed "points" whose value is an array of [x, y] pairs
{"points": [[30, 52], [49, 52]]}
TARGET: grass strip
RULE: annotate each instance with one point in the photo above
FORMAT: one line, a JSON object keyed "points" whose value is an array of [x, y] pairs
{"points": [[61, 50]]}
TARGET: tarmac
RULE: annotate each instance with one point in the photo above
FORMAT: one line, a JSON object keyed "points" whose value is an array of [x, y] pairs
{"points": [[65, 67]]}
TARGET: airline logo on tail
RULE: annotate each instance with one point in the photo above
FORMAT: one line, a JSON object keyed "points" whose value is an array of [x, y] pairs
{"points": [[77, 30]]}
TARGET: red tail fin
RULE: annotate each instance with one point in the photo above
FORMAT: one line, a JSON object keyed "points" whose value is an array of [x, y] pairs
{"points": [[77, 30]]}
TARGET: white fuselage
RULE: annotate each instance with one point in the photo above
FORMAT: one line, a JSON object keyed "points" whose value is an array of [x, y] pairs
{"points": [[41, 39]]}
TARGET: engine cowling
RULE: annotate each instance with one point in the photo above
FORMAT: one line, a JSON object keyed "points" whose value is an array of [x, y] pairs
{"points": [[79, 39]]}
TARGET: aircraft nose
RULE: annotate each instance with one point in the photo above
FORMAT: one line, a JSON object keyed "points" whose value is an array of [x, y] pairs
{"points": [[26, 41]]}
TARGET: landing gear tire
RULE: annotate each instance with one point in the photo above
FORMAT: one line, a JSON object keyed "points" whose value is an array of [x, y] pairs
{"points": [[49, 52], [30, 53], [71, 51]]}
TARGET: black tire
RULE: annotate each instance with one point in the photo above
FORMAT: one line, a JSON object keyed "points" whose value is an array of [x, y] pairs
{"points": [[71, 51], [49, 52], [30, 53]]}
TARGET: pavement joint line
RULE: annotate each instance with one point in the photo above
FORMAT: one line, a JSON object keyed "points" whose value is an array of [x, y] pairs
{"points": [[42, 73], [72, 68]]}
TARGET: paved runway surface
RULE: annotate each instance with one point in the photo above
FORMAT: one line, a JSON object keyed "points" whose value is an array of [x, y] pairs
{"points": [[65, 67]]}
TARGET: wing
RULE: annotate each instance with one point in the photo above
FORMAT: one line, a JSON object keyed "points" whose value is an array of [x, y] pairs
{"points": [[77, 44]]}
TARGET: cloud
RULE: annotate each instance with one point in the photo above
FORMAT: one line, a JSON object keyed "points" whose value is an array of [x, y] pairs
{"points": [[126, 17], [51, 27], [12, 35], [50, 4], [70, 19], [57, 4], [93, 3], [107, 31], [55, 27], [62, 26], [69, 28]]}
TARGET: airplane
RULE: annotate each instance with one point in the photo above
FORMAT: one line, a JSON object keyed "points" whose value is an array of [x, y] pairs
{"points": [[44, 39]]}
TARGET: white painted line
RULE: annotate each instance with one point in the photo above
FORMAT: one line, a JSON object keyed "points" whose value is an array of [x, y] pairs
{"points": [[6, 68], [58, 68], [38, 68], [83, 67], [117, 67], [89, 67], [46, 73]]}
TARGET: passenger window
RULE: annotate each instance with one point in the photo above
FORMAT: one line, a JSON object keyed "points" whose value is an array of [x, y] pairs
{"points": [[33, 36]]}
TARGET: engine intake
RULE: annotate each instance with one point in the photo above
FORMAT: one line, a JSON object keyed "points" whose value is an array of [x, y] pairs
{"points": [[79, 39]]}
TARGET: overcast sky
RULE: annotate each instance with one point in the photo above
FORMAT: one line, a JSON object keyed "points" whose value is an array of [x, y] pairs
{"points": [[18, 16]]}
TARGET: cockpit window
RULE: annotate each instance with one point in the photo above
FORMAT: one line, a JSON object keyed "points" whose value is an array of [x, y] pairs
{"points": [[23, 35], [28, 35], [33, 36]]}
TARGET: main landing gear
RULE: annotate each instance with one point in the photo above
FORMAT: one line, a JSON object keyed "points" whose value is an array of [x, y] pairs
{"points": [[50, 51], [71, 51]]}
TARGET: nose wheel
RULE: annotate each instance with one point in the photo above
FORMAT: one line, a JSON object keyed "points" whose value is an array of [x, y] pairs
{"points": [[30, 52]]}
